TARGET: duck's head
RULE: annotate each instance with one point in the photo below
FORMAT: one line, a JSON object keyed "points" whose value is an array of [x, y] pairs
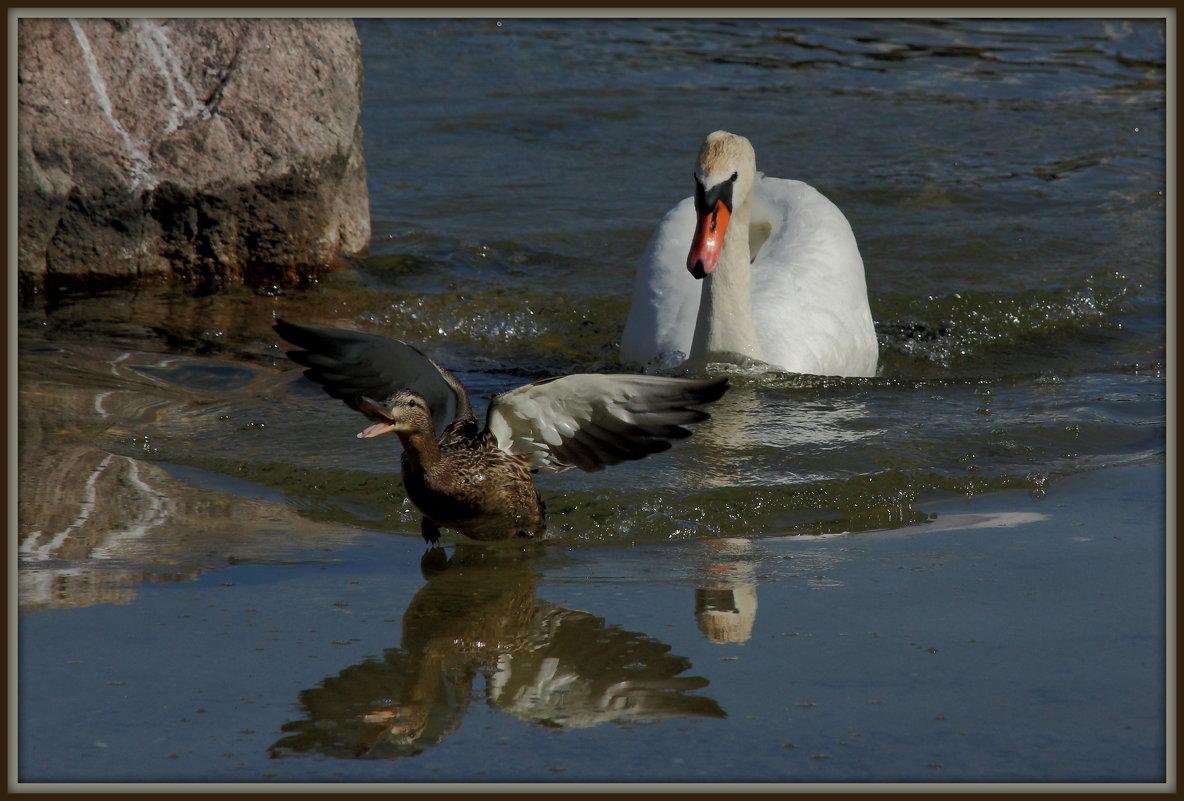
{"points": [[724, 176], [404, 412]]}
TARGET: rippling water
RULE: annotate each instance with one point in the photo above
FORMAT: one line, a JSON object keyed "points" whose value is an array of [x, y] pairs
{"points": [[1005, 180]]}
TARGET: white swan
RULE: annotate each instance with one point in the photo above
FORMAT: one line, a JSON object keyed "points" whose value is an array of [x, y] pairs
{"points": [[800, 305]]}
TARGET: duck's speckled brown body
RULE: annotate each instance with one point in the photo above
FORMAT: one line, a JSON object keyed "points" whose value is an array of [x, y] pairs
{"points": [[478, 481], [463, 480]]}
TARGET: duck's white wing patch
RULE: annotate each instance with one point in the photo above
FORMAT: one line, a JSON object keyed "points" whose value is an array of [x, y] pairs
{"points": [[589, 421]]}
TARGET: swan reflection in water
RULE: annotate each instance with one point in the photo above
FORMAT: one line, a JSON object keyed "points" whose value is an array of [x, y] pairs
{"points": [[543, 664], [725, 592]]}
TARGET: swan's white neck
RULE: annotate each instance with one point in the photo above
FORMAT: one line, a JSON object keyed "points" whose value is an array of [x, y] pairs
{"points": [[725, 324]]}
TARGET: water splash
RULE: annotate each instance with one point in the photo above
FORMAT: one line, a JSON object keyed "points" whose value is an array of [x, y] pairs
{"points": [[947, 331]]}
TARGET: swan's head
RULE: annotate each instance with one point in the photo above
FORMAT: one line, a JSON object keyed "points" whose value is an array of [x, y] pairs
{"points": [[723, 177]]}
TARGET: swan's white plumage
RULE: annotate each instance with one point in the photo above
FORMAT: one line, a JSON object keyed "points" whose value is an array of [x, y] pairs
{"points": [[665, 296], [809, 296]]}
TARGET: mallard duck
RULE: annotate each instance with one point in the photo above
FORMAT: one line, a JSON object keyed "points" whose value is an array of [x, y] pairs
{"points": [[478, 481], [764, 268]]}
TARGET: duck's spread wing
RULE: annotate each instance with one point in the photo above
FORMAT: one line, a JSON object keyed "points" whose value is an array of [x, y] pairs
{"points": [[351, 364], [589, 421]]}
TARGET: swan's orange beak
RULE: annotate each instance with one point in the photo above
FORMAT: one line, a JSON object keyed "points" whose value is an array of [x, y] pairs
{"points": [[708, 240]]}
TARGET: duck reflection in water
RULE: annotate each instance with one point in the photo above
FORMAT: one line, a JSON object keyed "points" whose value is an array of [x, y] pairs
{"points": [[544, 664]]}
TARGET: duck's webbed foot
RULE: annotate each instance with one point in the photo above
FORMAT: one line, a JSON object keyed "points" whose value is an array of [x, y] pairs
{"points": [[429, 530]]}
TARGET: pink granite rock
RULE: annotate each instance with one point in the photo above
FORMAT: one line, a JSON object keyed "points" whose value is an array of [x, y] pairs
{"points": [[204, 149]]}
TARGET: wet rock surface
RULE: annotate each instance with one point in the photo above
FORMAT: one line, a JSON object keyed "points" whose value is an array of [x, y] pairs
{"points": [[209, 150]]}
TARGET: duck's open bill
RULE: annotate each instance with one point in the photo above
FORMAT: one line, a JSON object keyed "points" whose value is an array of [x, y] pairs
{"points": [[382, 417]]}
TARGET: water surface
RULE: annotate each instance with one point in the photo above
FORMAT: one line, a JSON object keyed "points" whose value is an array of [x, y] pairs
{"points": [[952, 571]]}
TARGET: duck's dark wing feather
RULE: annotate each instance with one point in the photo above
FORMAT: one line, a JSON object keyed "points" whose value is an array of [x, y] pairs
{"points": [[589, 421], [351, 364]]}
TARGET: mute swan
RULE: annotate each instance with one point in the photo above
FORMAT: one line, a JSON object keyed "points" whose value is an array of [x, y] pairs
{"points": [[800, 305], [478, 481]]}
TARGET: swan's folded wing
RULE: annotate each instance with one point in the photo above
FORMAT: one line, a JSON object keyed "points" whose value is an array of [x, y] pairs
{"points": [[589, 421], [665, 302], [352, 364]]}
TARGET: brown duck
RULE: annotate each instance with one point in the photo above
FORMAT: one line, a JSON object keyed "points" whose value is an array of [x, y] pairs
{"points": [[478, 481]]}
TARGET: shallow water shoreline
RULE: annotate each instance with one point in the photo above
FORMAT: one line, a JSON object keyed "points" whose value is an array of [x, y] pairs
{"points": [[978, 646]]}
